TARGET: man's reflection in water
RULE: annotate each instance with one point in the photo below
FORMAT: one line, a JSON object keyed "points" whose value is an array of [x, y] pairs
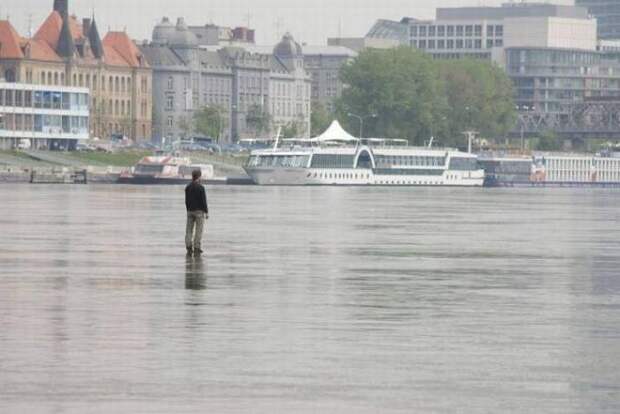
{"points": [[195, 276]]}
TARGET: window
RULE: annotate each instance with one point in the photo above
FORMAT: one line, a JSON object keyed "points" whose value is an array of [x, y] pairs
{"points": [[169, 103], [478, 30], [441, 44], [490, 30], [170, 83], [170, 122], [468, 44], [478, 43], [450, 31], [441, 31], [450, 44], [489, 43], [422, 44], [413, 31], [459, 30], [422, 31], [499, 31], [431, 31], [431, 44], [469, 31], [459, 43]]}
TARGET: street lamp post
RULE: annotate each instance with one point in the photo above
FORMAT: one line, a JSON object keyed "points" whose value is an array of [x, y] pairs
{"points": [[361, 119], [523, 120]]}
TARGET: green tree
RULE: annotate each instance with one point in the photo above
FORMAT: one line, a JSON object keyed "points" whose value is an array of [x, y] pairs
{"points": [[290, 130], [258, 119], [319, 119], [415, 97], [209, 121], [549, 141], [400, 86], [479, 96]]}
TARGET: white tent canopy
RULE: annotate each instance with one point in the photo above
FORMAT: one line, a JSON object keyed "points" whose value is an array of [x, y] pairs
{"points": [[335, 132]]}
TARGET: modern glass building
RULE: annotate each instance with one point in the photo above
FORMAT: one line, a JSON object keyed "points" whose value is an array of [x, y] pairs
{"points": [[607, 13], [551, 80], [43, 116]]}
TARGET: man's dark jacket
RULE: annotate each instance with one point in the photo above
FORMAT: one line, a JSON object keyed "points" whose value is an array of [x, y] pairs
{"points": [[196, 197]]}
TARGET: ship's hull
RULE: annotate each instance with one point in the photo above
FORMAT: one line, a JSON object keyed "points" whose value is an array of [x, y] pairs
{"points": [[551, 184], [361, 177]]}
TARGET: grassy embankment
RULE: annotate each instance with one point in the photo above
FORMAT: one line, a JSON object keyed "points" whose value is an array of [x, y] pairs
{"points": [[114, 159], [224, 164]]}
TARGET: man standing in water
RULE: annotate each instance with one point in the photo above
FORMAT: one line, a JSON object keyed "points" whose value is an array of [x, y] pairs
{"points": [[197, 213]]}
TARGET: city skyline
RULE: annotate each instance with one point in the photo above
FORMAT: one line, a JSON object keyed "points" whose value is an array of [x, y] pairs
{"points": [[312, 25]]}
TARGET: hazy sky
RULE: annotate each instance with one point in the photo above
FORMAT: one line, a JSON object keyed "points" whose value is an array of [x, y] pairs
{"points": [[310, 21]]}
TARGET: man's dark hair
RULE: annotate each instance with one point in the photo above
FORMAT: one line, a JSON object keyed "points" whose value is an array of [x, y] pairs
{"points": [[196, 174]]}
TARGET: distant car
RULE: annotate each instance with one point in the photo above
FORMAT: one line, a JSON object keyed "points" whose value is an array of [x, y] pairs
{"points": [[145, 145], [24, 144], [84, 147], [234, 148], [118, 137], [212, 148]]}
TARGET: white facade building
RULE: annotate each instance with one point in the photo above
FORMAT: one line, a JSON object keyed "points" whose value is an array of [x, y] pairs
{"points": [[479, 31], [552, 32], [43, 116]]}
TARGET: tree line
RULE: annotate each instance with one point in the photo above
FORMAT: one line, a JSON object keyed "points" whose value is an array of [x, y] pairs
{"points": [[401, 93], [404, 93]]}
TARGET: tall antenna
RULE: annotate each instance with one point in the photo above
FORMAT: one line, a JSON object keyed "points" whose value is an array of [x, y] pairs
{"points": [[279, 22], [29, 25], [248, 18]]}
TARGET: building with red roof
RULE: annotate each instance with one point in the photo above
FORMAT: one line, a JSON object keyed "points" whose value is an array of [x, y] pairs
{"points": [[64, 51]]}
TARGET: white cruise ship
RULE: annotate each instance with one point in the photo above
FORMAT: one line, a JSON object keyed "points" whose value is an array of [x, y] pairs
{"points": [[337, 158]]}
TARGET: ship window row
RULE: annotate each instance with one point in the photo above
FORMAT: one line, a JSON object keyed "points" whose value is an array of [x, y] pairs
{"points": [[408, 182], [294, 161], [333, 161], [50, 124], [575, 164], [463, 164], [609, 164], [341, 176], [403, 171], [43, 99], [404, 160]]}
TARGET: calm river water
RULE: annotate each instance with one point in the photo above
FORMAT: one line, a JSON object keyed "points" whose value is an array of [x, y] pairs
{"points": [[326, 300]]}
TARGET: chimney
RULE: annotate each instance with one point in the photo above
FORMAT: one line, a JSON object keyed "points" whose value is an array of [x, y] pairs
{"points": [[85, 27], [62, 7]]}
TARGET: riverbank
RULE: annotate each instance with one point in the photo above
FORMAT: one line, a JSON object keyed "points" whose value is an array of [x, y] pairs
{"points": [[17, 166]]}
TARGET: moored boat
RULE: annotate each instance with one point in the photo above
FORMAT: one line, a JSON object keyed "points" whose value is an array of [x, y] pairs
{"points": [[552, 170], [158, 170], [338, 158]]}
